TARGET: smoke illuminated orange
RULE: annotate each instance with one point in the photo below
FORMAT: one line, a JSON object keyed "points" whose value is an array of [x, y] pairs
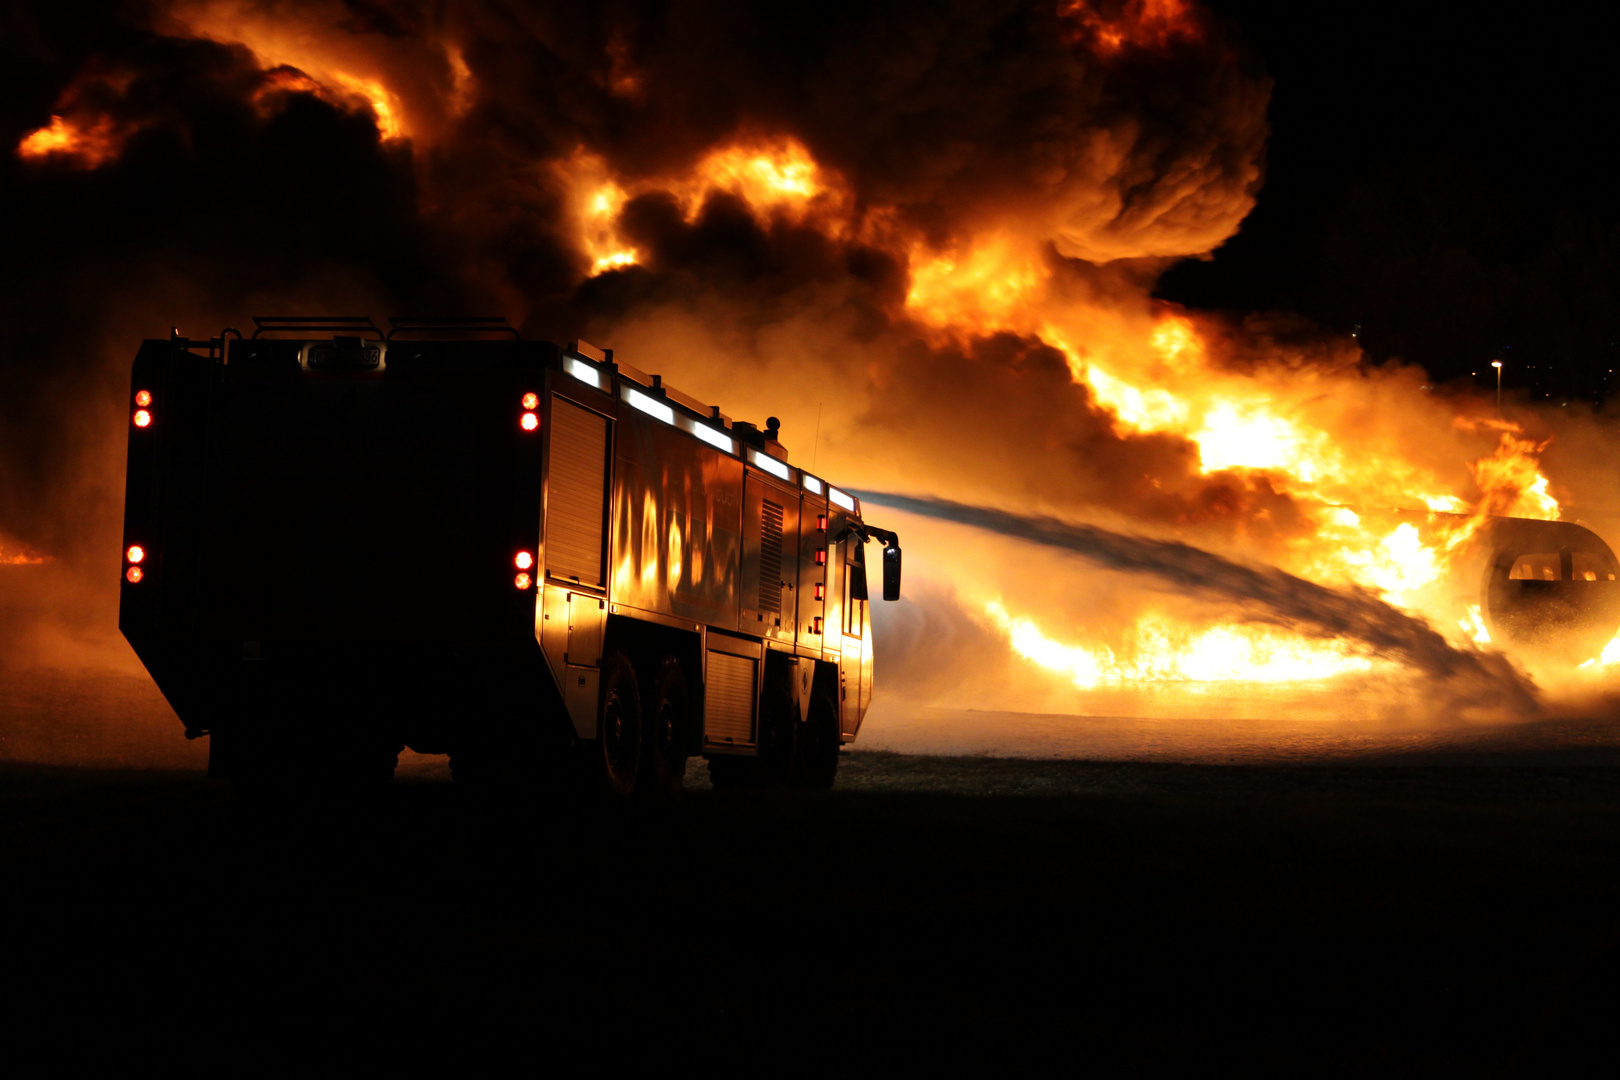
{"points": [[85, 146], [773, 176], [1135, 24]]}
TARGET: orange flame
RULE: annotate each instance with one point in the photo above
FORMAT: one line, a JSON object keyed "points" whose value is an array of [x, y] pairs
{"points": [[1156, 650]]}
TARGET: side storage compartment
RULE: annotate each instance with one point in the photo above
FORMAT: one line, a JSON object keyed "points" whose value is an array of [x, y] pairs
{"points": [[770, 563], [576, 494], [731, 691]]}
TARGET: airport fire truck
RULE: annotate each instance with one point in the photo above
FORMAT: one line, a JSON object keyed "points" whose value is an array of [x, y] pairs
{"points": [[541, 561]]}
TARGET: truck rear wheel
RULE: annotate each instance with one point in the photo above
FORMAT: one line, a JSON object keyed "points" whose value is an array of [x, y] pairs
{"points": [[619, 730], [665, 713]]}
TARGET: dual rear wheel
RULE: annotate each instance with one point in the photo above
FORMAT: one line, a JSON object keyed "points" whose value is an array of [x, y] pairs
{"points": [[644, 726]]}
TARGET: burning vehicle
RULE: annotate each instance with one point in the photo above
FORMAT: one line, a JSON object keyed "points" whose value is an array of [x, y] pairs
{"points": [[537, 559], [1549, 588]]}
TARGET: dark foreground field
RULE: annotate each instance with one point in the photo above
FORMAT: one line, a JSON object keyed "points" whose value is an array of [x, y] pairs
{"points": [[931, 913]]}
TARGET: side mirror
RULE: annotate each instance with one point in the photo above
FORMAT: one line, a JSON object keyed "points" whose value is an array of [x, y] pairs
{"points": [[891, 573]]}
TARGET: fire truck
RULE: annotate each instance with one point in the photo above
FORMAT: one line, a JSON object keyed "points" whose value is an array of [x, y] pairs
{"points": [[535, 558]]}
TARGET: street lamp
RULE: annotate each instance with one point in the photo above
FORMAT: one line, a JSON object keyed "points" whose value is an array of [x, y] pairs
{"points": [[1497, 364]]}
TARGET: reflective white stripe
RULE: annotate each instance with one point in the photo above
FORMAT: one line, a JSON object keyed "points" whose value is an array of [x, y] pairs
{"points": [[811, 483], [770, 464], [650, 406], [583, 372], [846, 501], [712, 437]]}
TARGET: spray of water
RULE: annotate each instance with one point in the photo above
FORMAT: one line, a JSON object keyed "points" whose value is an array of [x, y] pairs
{"points": [[1471, 679]]}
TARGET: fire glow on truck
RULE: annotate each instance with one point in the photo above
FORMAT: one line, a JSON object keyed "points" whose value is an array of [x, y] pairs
{"points": [[548, 565]]}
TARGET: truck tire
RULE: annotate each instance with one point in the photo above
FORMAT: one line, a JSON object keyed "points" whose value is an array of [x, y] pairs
{"points": [[665, 716], [816, 764], [617, 758], [778, 735]]}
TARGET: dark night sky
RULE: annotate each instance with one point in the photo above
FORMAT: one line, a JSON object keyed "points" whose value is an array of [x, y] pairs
{"points": [[1442, 178]]}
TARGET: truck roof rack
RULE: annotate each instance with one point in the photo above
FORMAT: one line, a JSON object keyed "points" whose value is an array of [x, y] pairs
{"points": [[450, 324], [284, 324]]}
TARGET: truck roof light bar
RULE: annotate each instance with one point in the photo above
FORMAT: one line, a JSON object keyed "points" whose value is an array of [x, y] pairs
{"points": [[316, 324], [770, 465], [717, 439], [584, 372], [450, 324], [841, 499], [811, 483], [649, 405]]}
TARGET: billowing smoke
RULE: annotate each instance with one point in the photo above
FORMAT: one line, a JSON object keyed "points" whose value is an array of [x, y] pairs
{"points": [[924, 234]]}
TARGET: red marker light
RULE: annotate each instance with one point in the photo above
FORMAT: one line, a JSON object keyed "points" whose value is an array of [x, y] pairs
{"points": [[135, 553], [143, 418], [143, 398], [530, 421], [821, 591], [531, 401], [821, 522], [817, 629], [523, 560], [133, 574], [821, 557], [523, 581]]}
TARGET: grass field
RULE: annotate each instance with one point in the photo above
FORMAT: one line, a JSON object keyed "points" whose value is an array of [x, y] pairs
{"points": [[974, 914]]}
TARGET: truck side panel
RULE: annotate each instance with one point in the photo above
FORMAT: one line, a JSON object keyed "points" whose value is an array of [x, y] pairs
{"points": [[676, 543]]}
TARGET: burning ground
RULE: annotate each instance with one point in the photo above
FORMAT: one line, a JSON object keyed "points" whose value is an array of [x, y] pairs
{"points": [[926, 236]]}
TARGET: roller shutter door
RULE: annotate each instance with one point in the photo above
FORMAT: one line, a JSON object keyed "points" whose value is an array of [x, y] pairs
{"points": [[728, 715], [577, 493]]}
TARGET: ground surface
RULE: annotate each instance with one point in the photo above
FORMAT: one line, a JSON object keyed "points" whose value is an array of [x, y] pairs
{"points": [[1325, 919]]}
